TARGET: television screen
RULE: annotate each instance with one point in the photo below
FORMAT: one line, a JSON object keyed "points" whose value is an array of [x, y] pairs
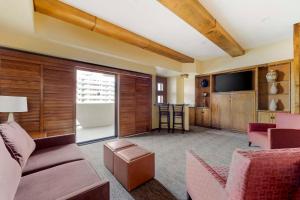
{"points": [[233, 81]]}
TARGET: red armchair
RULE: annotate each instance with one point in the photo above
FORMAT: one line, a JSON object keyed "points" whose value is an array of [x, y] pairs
{"points": [[263, 175], [284, 134]]}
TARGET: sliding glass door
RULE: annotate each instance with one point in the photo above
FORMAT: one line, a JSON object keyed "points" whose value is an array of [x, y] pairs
{"points": [[95, 106]]}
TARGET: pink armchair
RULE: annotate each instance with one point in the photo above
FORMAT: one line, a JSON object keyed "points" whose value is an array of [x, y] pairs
{"points": [[263, 175], [284, 134]]}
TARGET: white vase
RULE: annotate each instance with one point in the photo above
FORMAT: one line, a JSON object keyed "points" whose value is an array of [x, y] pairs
{"points": [[273, 89], [273, 105], [271, 76]]}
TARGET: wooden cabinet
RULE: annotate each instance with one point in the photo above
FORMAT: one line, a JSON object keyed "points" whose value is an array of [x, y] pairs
{"points": [[192, 116], [242, 110], [221, 113], [233, 110], [266, 117], [203, 117]]}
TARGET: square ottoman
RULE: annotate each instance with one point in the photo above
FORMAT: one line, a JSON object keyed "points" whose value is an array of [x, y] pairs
{"points": [[109, 149], [134, 166]]}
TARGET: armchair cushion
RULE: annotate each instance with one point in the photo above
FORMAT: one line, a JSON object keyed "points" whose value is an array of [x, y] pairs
{"points": [[17, 140], [283, 138]]}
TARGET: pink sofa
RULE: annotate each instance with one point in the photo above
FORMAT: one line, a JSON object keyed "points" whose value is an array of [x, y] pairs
{"points": [[253, 175], [284, 134], [55, 170]]}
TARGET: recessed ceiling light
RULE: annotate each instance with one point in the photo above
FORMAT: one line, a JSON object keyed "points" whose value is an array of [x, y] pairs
{"points": [[265, 19]]}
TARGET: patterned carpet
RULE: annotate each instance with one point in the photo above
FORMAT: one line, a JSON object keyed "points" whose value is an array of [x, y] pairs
{"points": [[214, 146]]}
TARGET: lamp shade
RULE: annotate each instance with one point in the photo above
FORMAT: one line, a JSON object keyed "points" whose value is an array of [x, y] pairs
{"points": [[13, 104]]}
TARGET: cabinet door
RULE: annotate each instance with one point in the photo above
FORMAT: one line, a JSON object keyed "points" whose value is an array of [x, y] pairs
{"points": [[221, 114], [192, 116], [127, 105], [266, 117], [242, 110], [198, 116], [206, 117]]}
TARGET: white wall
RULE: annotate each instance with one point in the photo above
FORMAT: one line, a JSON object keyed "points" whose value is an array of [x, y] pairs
{"points": [[95, 115]]}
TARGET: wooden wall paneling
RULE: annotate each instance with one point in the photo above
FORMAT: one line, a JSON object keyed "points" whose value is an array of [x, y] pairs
{"points": [[22, 78], [59, 100], [296, 71], [127, 105], [143, 110]]}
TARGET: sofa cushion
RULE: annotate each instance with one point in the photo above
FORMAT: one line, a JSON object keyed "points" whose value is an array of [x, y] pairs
{"points": [[17, 140], [10, 173], [61, 182], [53, 156], [287, 120]]}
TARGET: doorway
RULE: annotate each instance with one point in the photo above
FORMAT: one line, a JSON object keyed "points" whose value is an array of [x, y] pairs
{"points": [[95, 106]]}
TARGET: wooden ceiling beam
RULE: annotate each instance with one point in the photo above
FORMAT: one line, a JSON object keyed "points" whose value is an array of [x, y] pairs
{"points": [[64, 12], [192, 12]]}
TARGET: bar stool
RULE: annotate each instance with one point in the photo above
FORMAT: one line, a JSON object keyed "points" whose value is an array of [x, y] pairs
{"points": [[178, 113], [164, 112]]}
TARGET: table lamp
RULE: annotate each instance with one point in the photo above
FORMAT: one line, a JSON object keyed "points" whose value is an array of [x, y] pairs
{"points": [[11, 104]]}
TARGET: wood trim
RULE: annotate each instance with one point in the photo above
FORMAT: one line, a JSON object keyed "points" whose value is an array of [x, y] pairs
{"points": [[64, 12], [192, 12]]}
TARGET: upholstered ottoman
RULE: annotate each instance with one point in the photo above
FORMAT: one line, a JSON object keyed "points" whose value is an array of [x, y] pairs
{"points": [[133, 166], [109, 149]]}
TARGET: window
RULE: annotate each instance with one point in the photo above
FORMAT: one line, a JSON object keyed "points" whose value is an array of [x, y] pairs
{"points": [[160, 99], [95, 87], [161, 89]]}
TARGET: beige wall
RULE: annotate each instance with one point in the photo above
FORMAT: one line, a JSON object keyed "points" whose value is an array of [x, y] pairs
{"points": [[189, 90], [270, 53]]}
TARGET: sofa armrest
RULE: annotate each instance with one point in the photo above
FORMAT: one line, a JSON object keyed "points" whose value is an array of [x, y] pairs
{"points": [[283, 138], [202, 180], [43, 143], [260, 126]]}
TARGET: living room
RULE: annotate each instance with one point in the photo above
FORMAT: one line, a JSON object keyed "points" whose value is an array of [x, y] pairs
{"points": [[162, 99]]}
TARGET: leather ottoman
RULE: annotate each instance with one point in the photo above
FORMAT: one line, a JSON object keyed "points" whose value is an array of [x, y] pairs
{"points": [[110, 148], [134, 166]]}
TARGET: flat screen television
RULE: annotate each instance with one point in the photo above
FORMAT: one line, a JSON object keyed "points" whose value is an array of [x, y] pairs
{"points": [[238, 81]]}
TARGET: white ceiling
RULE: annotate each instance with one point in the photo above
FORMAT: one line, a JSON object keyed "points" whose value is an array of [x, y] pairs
{"points": [[252, 23]]}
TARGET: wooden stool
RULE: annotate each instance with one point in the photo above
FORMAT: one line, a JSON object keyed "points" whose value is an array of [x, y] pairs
{"points": [[178, 113], [134, 166], [164, 112], [110, 148]]}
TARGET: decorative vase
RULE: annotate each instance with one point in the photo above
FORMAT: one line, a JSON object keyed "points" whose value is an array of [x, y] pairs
{"points": [[273, 89], [273, 105], [271, 76]]}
